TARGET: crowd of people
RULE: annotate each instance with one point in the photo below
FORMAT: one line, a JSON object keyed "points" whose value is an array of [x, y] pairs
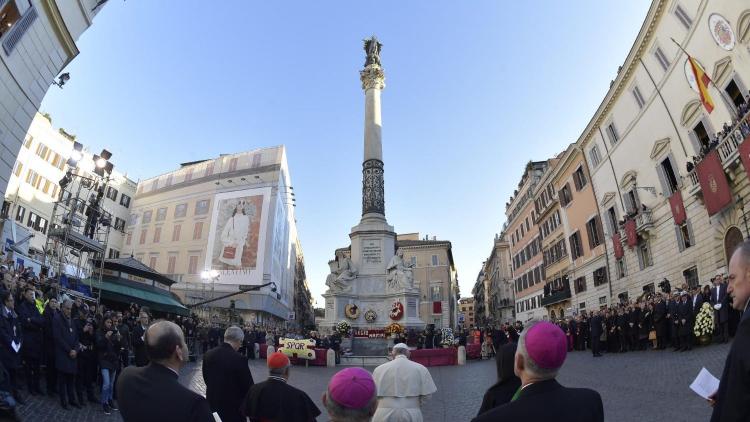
{"points": [[741, 121]]}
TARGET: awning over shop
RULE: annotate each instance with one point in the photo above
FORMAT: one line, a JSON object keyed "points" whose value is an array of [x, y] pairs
{"points": [[128, 291], [135, 267]]}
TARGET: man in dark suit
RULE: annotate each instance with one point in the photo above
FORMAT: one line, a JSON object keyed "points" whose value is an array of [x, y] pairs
{"points": [[685, 321], [720, 302], [66, 352], [731, 401], [660, 322], [227, 376], [596, 332], [32, 324], [152, 393], [138, 340], [540, 355]]}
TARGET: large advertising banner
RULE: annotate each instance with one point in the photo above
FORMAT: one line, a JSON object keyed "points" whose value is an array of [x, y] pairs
{"points": [[237, 236]]}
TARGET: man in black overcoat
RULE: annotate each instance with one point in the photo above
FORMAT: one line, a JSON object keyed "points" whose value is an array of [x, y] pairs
{"points": [[720, 302], [138, 340], [660, 322], [50, 372], [32, 325], [596, 332], [66, 352], [227, 376], [731, 401], [685, 321], [674, 321]]}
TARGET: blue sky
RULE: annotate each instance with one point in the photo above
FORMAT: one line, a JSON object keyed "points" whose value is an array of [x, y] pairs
{"points": [[473, 91]]}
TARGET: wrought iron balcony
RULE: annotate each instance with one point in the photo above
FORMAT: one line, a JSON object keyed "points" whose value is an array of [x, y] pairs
{"points": [[556, 297], [643, 221]]}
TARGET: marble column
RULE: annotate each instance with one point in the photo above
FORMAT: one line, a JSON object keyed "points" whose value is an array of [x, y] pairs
{"points": [[373, 189]]}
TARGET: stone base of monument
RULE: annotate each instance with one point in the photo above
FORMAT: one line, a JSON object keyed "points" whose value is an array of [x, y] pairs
{"points": [[363, 360], [371, 346]]}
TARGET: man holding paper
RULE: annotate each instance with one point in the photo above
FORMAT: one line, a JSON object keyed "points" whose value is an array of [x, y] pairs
{"points": [[732, 401]]}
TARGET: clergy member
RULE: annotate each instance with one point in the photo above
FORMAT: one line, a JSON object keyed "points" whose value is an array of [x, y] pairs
{"points": [[275, 400], [403, 386], [541, 353], [734, 389]]}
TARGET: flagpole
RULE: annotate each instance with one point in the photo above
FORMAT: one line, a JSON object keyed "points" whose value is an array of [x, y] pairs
{"points": [[723, 94]]}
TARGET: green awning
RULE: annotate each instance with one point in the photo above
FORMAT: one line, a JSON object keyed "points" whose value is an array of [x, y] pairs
{"points": [[128, 291]]}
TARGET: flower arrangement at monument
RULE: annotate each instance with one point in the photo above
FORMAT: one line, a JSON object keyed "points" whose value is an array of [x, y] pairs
{"points": [[704, 322], [397, 311], [370, 315], [394, 328], [343, 328], [447, 336], [351, 311]]}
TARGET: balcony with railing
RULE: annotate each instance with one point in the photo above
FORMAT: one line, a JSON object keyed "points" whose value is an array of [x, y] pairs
{"points": [[727, 147], [556, 291]]}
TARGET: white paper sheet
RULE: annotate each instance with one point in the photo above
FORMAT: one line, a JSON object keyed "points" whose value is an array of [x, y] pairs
{"points": [[16, 346], [216, 417], [705, 384]]}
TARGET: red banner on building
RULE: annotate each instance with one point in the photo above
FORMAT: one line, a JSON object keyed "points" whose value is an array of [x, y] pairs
{"points": [[617, 246], [678, 208], [744, 151], [630, 232], [714, 185], [437, 307]]}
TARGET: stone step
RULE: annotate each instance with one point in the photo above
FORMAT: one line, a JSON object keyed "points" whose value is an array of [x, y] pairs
{"points": [[363, 360]]}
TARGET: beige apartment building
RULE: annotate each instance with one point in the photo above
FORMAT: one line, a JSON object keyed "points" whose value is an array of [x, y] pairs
{"points": [[33, 190], [222, 224], [496, 286], [634, 208], [466, 312], [525, 244]]}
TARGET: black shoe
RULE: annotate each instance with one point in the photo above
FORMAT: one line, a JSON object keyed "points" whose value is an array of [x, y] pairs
{"points": [[107, 410], [112, 405]]}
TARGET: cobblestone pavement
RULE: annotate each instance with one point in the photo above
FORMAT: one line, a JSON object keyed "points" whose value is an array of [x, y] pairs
{"points": [[634, 386]]}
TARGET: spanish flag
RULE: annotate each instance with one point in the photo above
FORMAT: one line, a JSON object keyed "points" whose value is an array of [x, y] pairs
{"points": [[702, 80]]}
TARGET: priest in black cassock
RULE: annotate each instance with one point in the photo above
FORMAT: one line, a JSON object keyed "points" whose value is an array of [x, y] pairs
{"points": [[275, 400], [732, 401]]}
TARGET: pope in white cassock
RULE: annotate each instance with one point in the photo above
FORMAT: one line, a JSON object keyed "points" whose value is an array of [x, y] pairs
{"points": [[403, 386], [234, 235]]}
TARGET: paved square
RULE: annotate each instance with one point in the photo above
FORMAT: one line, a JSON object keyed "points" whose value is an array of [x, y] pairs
{"points": [[634, 386]]}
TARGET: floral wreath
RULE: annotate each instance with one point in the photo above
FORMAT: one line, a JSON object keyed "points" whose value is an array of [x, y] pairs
{"points": [[704, 322], [397, 311], [370, 315], [343, 328], [351, 311], [394, 328]]}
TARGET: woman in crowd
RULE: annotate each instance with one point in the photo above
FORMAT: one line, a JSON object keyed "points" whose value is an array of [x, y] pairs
{"points": [[108, 348], [507, 381]]}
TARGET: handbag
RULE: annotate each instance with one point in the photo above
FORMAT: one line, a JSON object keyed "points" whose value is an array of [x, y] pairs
{"points": [[652, 335], [229, 251]]}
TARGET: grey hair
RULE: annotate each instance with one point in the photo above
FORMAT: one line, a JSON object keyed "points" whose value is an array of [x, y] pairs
{"points": [[529, 365], [744, 251], [66, 303], [401, 351], [279, 372], [340, 413], [234, 334]]}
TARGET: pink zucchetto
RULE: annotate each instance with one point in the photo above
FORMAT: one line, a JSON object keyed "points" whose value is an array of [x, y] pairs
{"points": [[546, 345]]}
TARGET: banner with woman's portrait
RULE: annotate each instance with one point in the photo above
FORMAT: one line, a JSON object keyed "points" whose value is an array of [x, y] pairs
{"points": [[237, 236]]}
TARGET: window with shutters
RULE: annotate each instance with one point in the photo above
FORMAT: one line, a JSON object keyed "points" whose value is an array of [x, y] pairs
{"points": [[142, 240], [684, 234], [594, 156], [111, 193], [644, 254], [198, 230], [20, 213], [233, 164], [612, 133], [632, 202], [691, 277], [180, 210], [621, 269], [638, 97], [435, 261], [152, 262], [129, 239], [580, 284], [193, 264], [157, 234], [661, 58], [565, 195], [119, 224], [176, 233], [612, 224], [683, 17], [594, 230], [668, 176], [18, 169], [579, 178], [700, 136], [147, 216], [735, 91], [171, 263], [600, 276], [576, 247], [125, 200], [201, 207]]}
